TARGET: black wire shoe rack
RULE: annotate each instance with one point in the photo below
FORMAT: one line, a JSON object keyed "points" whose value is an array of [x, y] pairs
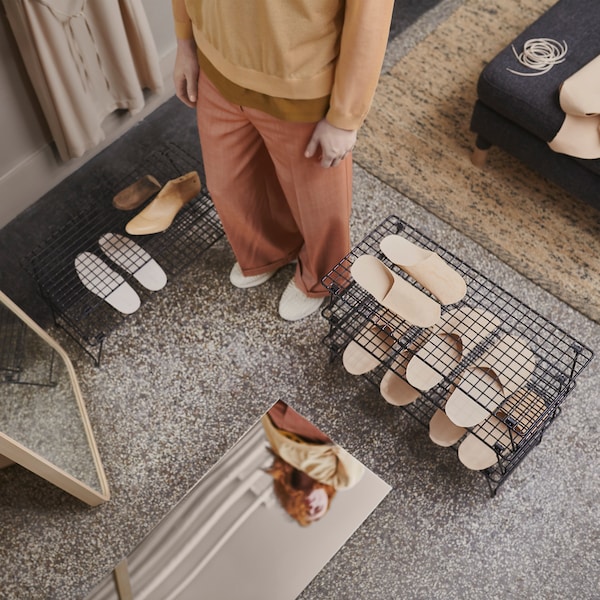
{"points": [[17, 343], [507, 429], [87, 316]]}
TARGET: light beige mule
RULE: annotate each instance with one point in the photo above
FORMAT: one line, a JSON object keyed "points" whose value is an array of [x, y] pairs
{"points": [[137, 193], [500, 372], [442, 431], [426, 267], [395, 293], [459, 332]]}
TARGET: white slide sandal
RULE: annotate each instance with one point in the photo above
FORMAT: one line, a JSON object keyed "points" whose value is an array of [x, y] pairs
{"points": [[105, 283], [132, 258]]}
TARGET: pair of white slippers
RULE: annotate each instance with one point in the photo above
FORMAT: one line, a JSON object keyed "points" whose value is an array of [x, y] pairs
{"points": [[102, 280]]}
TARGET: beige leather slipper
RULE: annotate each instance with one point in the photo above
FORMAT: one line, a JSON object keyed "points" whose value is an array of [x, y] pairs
{"points": [[367, 350], [523, 411], [395, 293], [443, 431], [426, 267], [393, 387], [106, 283], [137, 193], [459, 332], [159, 214], [500, 372], [134, 259], [477, 451]]}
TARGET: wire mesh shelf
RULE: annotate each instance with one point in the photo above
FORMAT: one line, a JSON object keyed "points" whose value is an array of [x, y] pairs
{"points": [[493, 369], [81, 303], [24, 359]]}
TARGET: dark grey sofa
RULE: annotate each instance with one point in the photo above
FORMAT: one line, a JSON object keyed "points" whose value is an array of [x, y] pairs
{"points": [[520, 114]]}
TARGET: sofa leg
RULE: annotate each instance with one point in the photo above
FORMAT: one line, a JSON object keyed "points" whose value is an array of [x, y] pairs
{"points": [[479, 155]]}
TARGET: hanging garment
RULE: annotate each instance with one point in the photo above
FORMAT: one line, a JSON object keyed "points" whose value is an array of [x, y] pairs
{"points": [[85, 59]]}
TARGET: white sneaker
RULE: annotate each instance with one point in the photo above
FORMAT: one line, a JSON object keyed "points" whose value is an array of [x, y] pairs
{"points": [[239, 280], [295, 304]]}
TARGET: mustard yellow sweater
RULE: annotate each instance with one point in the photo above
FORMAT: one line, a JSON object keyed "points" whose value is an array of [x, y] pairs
{"points": [[327, 463], [290, 49]]}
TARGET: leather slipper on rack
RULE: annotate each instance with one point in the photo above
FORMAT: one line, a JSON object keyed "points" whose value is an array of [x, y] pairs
{"points": [[442, 431], [523, 411], [395, 293], [367, 350], [394, 388], [159, 214], [132, 258], [500, 372], [482, 448], [459, 332], [426, 267], [105, 283], [136, 194]]}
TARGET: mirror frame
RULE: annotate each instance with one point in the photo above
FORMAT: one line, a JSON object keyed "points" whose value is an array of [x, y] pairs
{"points": [[18, 453]]}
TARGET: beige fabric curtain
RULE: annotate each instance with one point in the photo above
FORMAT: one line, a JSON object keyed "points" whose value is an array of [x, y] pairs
{"points": [[85, 59]]}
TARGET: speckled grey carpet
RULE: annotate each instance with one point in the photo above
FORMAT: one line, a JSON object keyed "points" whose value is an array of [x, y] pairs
{"points": [[194, 369], [417, 140]]}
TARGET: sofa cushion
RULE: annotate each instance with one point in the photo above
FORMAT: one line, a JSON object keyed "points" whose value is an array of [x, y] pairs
{"points": [[532, 102]]}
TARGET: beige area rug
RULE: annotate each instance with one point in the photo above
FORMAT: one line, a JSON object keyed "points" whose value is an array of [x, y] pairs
{"points": [[417, 140]]}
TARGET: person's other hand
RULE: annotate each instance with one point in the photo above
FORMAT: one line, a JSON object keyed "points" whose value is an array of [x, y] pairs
{"points": [[185, 72], [317, 502], [334, 142]]}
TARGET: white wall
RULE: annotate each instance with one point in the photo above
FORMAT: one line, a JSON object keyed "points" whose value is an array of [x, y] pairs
{"points": [[29, 164]]}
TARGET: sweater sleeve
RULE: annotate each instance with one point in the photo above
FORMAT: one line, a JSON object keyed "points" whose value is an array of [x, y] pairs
{"points": [[327, 463], [362, 49], [182, 21]]}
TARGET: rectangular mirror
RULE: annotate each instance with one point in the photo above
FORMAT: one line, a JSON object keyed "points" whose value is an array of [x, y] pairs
{"points": [[44, 426], [260, 524]]}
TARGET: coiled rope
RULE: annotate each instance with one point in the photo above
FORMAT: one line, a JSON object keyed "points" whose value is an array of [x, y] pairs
{"points": [[540, 55]]}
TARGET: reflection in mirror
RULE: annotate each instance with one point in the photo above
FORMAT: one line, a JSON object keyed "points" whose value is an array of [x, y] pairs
{"points": [[231, 537], [43, 422]]}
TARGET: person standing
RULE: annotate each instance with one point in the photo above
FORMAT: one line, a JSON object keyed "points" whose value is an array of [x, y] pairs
{"points": [[281, 89]]}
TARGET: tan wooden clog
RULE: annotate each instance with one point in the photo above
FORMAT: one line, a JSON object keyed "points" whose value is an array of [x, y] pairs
{"points": [[426, 267], [161, 212]]}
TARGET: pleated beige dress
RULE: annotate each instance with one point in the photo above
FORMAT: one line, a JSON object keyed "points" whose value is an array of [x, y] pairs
{"points": [[85, 59]]}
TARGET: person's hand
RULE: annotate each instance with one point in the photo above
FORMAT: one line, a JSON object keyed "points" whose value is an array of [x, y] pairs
{"points": [[185, 72], [334, 142], [317, 502]]}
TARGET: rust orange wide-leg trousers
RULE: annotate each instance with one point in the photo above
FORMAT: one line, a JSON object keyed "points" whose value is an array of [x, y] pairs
{"points": [[275, 205]]}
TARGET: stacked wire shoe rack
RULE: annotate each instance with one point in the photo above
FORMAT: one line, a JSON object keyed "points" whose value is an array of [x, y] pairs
{"points": [[86, 316], [511, 428], [17, 347]]}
